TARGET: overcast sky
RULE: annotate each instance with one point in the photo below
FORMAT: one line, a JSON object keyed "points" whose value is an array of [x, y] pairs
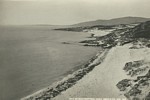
{"points": [[59, 12]]}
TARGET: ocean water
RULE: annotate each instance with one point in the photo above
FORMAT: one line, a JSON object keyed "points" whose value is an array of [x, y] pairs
{"points": [[33, 57]]}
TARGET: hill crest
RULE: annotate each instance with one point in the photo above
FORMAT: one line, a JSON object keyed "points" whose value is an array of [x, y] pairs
{"points": [[115, 21]]}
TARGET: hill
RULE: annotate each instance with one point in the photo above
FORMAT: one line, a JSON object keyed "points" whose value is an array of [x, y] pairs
{"points": [[116, 21]]}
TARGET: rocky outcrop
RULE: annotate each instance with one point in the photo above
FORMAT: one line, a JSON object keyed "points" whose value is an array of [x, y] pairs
{"points": [[131, 65], [137, 87], [121, 35], [141, 31], [135, 68], [124, 84], [115, 37]]}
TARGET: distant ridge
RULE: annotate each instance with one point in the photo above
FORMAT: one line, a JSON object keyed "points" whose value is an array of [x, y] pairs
{"points": [[115, 21]]}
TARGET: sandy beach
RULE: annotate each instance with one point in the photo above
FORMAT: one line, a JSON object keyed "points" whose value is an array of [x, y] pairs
{"points": [[101, 77], [57, 87], [74, 50], [101, 82]]}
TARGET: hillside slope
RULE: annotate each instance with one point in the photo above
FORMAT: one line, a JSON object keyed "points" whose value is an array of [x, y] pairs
{"points": [[141, 31], [116, 21]]}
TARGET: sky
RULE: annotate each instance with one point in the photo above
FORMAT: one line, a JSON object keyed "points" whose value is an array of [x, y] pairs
{"points": [[65, 12]]}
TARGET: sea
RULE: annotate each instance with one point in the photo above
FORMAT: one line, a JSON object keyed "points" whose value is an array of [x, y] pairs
{"points": [[33, 57]]}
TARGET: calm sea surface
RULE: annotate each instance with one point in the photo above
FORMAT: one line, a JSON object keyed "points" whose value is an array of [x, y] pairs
{"points": [[33, 57]]}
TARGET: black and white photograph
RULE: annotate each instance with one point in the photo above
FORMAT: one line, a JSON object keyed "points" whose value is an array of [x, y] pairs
{"points": [[74, 49]]}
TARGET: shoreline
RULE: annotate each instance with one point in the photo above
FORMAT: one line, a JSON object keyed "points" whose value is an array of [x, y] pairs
{"points": [[124, 74], [57, 87], [101, 81]]}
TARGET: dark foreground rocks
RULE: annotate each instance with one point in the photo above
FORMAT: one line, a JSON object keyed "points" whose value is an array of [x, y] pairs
{"points": [[136, 88]]}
